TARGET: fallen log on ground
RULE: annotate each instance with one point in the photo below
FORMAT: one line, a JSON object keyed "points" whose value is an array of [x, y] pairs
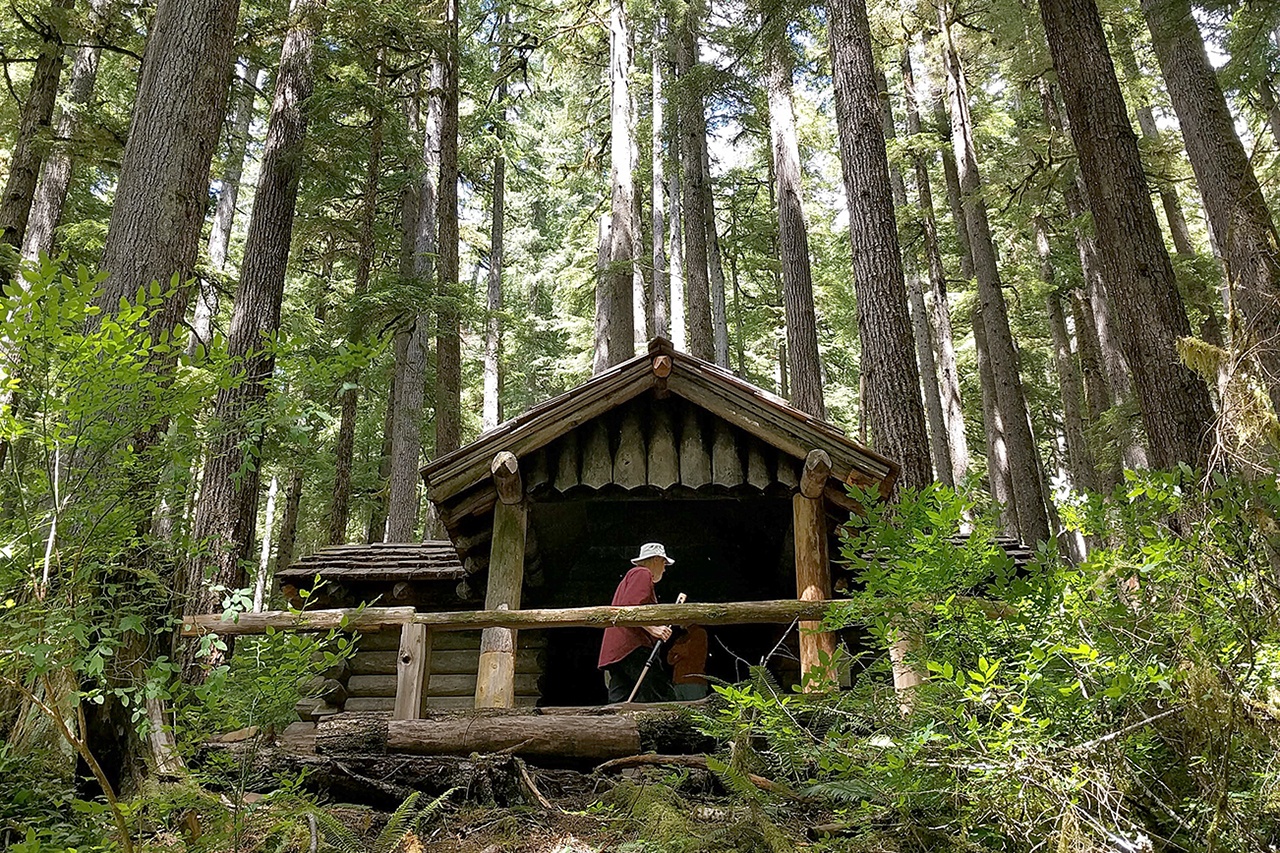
{"points": [[532, 734]]}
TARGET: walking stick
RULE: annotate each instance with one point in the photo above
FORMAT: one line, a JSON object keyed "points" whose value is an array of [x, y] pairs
{"points": [[653, 655]]}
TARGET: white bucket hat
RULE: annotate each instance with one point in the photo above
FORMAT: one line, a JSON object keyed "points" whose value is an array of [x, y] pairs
{"points": [[652, 549]]}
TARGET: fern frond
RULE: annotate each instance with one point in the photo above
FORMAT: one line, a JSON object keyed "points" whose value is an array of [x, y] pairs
{"points": [[400, 824], [337, 835], [842, 792]]}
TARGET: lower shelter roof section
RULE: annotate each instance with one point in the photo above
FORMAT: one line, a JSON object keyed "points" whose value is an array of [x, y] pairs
{"points": [[383, 561]]}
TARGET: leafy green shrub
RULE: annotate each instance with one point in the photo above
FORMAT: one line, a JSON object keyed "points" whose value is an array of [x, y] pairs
{"points": [[1125, 701]]}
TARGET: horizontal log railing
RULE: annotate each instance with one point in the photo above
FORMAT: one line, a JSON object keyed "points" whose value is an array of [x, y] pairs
{"points": [[378, 618], [414, 668]]}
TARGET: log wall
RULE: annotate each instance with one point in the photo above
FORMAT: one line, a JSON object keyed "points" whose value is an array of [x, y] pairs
{"points": [[455, 656]]}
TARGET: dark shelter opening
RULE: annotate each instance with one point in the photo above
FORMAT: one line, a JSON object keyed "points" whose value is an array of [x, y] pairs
{"points": [[726, 549]]}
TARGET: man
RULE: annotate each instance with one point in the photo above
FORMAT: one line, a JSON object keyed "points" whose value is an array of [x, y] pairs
{"points": [[625, 650]]}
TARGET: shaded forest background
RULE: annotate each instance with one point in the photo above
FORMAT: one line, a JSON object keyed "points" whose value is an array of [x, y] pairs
{"points": [[262, 260]]}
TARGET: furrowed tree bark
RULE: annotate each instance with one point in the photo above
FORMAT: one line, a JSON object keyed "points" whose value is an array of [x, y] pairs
{"points": [[55, 172], [892, 380], [1233, 199], [349, 396], [1010, 399], [943, 342], [1174, 217], [1175, 404], [34, 119], [421, 210], [492, 414], [615, 323], [793, 232], [448, 317], [154, 230], [249, 81], [715, 264], [659, 303], [921, 332], [692, 128], [227, 511]]}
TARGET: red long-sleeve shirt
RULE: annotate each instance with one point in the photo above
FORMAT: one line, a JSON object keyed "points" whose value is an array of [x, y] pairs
{"points": [[636, 588]]}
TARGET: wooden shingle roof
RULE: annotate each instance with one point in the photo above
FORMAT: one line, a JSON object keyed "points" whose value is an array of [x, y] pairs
{"points": [[459, 482], [383, 561]]}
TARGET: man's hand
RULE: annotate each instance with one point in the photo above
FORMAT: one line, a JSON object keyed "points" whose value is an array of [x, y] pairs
{"points": [[659, 632]]}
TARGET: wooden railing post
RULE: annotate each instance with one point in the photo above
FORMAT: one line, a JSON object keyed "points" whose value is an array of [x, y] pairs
{"points": [[813, 564], [495, 680], [413, 671]]}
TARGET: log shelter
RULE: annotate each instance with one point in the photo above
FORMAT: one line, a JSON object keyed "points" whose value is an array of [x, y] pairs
{"points": [[547, 509]]}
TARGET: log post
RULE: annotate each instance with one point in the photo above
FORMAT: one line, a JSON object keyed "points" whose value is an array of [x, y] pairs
{"points": [[413, 671], [813, 564], [495, 680]]}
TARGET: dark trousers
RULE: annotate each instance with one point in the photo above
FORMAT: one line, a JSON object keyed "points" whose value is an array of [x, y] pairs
{"points": [[620, 677]]}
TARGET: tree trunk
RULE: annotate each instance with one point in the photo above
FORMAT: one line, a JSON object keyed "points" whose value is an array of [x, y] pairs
{"points": [[1233, 200], [448, 317], [615, 323], [262, 580], [921, 332], [999, 475], [33, 118], [1270, 106], [1084, 476], [1010, 400], [340, 508], [659, 301], [250, 82], [675, 238], [154, 230], [693, 131], [289, 522], [492, 414], [715, 265], [793, 232], [420, 212], [1173, 214], [943, 344], [377, 527], [1175, 404], [951, 174], [892, 380], [227, 511], [55, 173]]}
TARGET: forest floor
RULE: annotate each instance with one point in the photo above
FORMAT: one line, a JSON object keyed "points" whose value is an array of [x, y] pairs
{"points": [[642, 811]]}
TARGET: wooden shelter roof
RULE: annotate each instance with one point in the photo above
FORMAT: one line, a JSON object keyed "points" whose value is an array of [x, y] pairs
{"points": [[459, 482], [382, 561]]}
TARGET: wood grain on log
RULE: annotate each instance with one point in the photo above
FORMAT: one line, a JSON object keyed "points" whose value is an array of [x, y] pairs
{"points": [[562, 737], [410, 684], [664, 463], [567, 463], [695, 461], [813, 583], [817, 468], [729, 613], [597, 460], [629, 460], [726, 465]]}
